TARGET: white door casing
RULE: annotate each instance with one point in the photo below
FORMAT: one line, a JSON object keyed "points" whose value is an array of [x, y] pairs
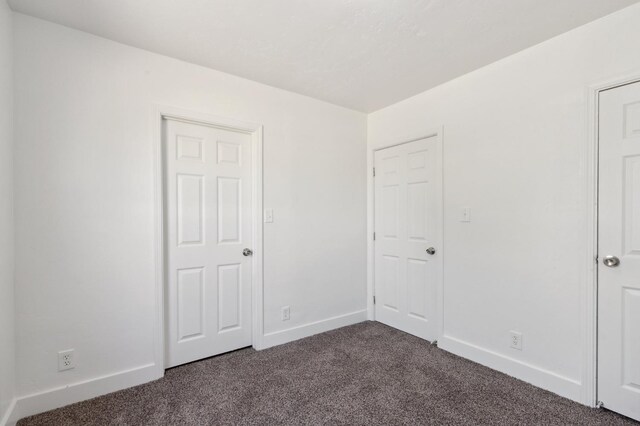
{"points": [[619, 236], [208, 211], [407, 224]]}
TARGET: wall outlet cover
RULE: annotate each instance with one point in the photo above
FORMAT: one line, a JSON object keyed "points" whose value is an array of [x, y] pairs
{"points": [[286, 313], [66, 360], [516, 340]]}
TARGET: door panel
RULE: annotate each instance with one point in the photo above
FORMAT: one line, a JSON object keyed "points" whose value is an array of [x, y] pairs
{"points": [[208, 224], [190, 209], [407, 223], [631, 195], [631, 336], [389, 281], [229, 210], [417, 276], [190, 303], [619, 236], [229, 297]]}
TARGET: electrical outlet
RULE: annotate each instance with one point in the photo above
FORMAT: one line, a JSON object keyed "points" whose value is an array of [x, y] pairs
{"points": [[286, 313], [66, 360], [516, 340]]}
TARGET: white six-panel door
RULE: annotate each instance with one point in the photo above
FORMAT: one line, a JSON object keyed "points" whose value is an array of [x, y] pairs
{"points": [[407, 236], [619, 241], [208, 224]]}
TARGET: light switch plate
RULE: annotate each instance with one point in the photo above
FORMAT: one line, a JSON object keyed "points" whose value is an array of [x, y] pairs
{"points": [[268, 215]]}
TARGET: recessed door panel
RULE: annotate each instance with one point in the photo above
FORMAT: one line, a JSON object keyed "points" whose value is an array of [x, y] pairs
{"points": [[417, 210], [229, 300], [417, 159], [229, 153], [631, 338], [632, 120], [208, 224], [189, 148], [631, 201], [229, 209], [390, 167], [417, 277], [190, 206], [390, 211], [190, 303], [390, 281]]}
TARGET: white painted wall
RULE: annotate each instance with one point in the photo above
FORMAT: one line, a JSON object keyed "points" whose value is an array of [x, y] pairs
{"points": [[7, 341], [85, 200], [515, 136]]}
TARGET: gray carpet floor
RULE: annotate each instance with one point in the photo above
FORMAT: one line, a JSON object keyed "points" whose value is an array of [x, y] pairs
{"points": [[365, 374]]}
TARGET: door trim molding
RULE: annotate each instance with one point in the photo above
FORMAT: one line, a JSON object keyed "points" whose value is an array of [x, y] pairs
{"points": [[438, 133], [589, 163], [159, 113]]}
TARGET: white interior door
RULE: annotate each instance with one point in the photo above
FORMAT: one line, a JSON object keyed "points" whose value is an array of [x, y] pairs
{"points": [[407, 236], [208, 225], [619, 251]]}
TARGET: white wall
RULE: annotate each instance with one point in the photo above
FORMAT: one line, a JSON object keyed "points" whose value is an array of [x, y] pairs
{"points": [[515, 137], [7, 341], [85, 200]]}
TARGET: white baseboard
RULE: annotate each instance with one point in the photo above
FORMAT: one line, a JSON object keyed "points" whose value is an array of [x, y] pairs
{"points": [[58, 397], [285, 336], [545, 379], [50, 399]]}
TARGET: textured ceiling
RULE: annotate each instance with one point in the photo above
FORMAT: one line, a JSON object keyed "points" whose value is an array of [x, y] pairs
{"points": [[362, 54]]}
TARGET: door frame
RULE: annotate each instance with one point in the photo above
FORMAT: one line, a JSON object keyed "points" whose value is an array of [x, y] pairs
{"points": [[438, 134], [589, 163], [160, 113]]}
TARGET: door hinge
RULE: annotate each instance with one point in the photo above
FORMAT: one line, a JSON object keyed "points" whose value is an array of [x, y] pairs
{"points": [[374, 236], [596, 258], [374, 300], [374, 172]]}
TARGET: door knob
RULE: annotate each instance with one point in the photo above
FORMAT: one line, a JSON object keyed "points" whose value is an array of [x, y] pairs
{"points": [[611, 261], [247, 252], [431, 251]]}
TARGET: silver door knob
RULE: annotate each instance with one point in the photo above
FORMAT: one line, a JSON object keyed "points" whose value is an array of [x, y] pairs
{"points": [[247, 252], [611, 261], [431, 251]]}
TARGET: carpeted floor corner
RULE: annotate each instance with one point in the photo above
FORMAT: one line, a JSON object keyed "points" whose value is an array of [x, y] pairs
{"points": [[365, 374]]}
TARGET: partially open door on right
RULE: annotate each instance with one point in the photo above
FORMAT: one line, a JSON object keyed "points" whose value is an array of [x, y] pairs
{"points": [[619, 250]]}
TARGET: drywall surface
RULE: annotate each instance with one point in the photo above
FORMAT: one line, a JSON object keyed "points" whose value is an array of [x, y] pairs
{"points": [[515, 141], [360, 54], [85, 267], [7, 341]]}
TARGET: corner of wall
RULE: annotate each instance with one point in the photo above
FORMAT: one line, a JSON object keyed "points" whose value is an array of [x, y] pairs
{"points": [[295, 333], [7, 281], [7, 419]]}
